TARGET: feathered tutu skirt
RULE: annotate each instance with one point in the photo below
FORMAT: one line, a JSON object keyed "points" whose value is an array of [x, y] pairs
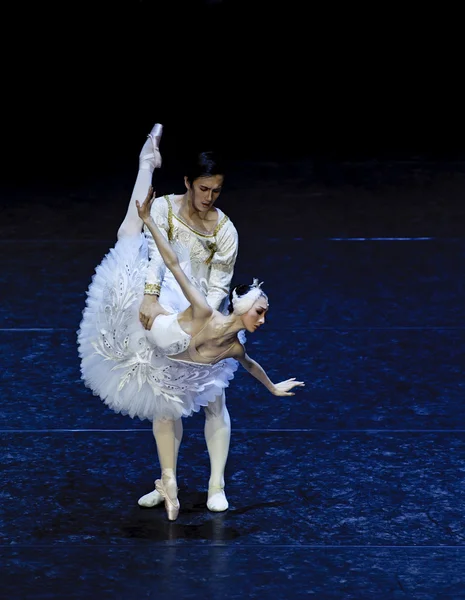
{"points": [[118, 363]]}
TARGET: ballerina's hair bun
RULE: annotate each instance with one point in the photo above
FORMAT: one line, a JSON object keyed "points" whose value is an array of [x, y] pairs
{"points": [[243, 297]]}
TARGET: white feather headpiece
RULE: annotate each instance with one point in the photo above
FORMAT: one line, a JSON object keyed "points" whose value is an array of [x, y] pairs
{"points": [[242, 304]]}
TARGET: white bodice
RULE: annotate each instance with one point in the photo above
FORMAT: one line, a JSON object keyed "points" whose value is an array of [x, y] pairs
{"points": [[167, 335]]}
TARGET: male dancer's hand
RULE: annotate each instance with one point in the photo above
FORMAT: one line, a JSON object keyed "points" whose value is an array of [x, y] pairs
{"points": [[149, 309]]}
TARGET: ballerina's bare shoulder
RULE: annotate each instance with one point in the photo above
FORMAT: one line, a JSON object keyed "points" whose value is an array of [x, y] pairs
{"points": [[211, 343]]}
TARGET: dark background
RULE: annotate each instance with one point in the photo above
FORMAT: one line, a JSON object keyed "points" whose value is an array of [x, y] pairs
{"points": [[345, 120], [84, 83]]}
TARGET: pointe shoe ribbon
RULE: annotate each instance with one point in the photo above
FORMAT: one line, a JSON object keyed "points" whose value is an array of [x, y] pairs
{"points": [[172, 505], [150, 157]]}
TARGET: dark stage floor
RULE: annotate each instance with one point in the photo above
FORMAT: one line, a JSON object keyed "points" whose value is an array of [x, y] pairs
{"points": [[352, 489]]}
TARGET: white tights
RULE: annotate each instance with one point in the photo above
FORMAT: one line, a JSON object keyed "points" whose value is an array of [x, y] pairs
{"points": [[217, 435], [149, 160], [168, 436]]}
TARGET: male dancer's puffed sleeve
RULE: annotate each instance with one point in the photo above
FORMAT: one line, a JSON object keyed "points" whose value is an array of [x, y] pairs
{"points": [[156, 269], [222, 266]]}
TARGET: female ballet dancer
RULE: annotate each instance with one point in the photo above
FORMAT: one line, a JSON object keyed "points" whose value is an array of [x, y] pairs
{"points": [[207, 241], [202, 336]]}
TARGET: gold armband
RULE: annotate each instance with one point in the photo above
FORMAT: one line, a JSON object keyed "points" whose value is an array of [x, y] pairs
{"points": [[152, 289]]}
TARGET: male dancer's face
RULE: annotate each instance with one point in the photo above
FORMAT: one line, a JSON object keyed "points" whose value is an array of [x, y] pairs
{"points": [[204, 191]]}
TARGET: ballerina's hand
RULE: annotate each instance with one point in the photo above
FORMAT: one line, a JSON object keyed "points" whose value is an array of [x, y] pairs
{"points": [[282, 388], [144, 210]]}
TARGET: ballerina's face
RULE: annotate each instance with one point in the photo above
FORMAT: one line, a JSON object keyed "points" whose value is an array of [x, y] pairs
{"points": [[255, 317], [204, 191]]}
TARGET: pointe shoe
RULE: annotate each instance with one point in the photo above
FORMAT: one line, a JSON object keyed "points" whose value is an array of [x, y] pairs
{"points": [[150, 500], [217, 501], [172, 505], [149, 157], [156, 134]]}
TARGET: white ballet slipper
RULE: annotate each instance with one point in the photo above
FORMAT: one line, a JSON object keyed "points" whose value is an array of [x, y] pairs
{"points": [[150, 157], [151, 499], [217, 501]]}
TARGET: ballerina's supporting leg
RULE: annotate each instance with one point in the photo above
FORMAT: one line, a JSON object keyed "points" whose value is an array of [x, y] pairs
{"points": [[217, 436], [165, 438], [154, 498]]}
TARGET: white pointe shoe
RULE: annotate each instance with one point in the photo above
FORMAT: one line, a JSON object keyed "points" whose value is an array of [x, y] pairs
{"points": [[151, 499], [149, 157], [167, 487], [217, 501]]}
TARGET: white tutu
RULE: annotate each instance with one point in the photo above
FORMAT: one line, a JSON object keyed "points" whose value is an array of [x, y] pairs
{"points": [[119, 364]]}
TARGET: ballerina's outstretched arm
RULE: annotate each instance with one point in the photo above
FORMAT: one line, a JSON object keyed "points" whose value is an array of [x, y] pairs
{"points": [[277, 389], [200, 306]]}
